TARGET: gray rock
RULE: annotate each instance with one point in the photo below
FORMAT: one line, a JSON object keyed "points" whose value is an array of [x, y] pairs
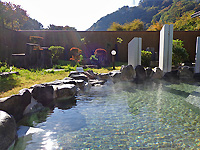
{"points": [[16, 104], [197, 77], [33, 107], [8, 133], [80, 77], [90, 74], [171, 76], [115, 76], [185, 73], [43, 94], [194, 98], [95, 82], [104, 76], [65, 91], [127, 73], [149, 73], [158, 73], [73, 73], [6, 74], [140, 73], [68, 78]]}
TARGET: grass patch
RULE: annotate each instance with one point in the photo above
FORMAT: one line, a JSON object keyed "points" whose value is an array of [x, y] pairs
{"points": [[26, 78]]}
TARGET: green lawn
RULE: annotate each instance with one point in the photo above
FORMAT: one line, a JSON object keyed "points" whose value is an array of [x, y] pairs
{"points": [[27, 78]]}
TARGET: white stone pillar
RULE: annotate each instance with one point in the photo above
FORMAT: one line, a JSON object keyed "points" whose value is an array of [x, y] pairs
{"points": [[165, 51], [134, 51], [197, 57]]}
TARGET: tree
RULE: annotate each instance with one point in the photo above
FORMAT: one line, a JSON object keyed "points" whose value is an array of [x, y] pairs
{"points": [[54, 27], [115, 27], [156, 26], [136, 25]]}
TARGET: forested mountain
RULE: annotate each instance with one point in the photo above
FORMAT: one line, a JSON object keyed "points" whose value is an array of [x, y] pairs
{"points": [[148, 11]]}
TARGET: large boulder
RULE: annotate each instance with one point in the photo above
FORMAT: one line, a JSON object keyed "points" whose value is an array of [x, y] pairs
{"points": [[197, 77], [43, 94], [65, 91], [16, 104], [127, 73], [149, 72], [115, 76], [171, 76], [158, 73], [8, 132], [185, 73], [140, 74]]}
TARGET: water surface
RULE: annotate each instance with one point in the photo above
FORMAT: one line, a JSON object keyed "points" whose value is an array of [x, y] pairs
{"points": [[122, 116]]}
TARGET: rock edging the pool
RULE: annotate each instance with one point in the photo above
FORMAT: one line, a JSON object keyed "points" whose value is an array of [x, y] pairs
{"points": [[15, 107]]}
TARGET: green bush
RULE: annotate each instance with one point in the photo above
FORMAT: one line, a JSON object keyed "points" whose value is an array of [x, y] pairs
{"points": [[56, 52], [4, 67], [145, 58], [179, 53]]}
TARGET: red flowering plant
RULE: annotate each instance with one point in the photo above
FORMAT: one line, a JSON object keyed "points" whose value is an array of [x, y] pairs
{"points": [[76, 55]]}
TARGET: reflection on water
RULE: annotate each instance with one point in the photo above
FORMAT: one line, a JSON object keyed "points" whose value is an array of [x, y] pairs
{"points": [[122, 116]]}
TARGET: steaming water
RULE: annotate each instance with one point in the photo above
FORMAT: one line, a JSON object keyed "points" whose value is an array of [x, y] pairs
{"points": [[121, 116]]}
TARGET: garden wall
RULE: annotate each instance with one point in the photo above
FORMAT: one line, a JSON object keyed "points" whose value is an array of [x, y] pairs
{"points": [[7, 43], [92, 40], [15, 41]]}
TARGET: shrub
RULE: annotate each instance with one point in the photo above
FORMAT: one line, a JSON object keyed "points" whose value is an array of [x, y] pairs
{"points": [[145, 58], [179, 53], [4, 67], [35, 39], [56, 52], [76, 55]]}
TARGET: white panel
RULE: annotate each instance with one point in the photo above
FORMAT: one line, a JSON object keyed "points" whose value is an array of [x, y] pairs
{"points": [[197, 58], [134, 51], [165, 51]]}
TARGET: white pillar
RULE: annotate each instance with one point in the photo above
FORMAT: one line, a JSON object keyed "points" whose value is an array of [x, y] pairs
{"points": [[197, 58], [165, 51], [134, 51]]}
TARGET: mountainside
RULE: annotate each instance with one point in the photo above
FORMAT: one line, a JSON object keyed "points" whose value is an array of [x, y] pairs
{"points": [[148, 11]]}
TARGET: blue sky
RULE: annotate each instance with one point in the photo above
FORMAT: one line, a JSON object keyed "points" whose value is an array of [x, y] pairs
{"points": [[80, 14]]}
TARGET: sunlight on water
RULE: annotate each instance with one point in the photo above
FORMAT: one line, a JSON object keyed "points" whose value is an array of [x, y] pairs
{"points": [[123, 116]]}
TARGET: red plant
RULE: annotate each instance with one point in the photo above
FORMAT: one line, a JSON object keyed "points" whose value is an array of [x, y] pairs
{"points": [[100, 51], [76, 50], [76, 54]]}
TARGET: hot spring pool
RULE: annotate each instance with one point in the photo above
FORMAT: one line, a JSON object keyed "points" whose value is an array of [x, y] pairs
{"points": [[121, 116]]}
